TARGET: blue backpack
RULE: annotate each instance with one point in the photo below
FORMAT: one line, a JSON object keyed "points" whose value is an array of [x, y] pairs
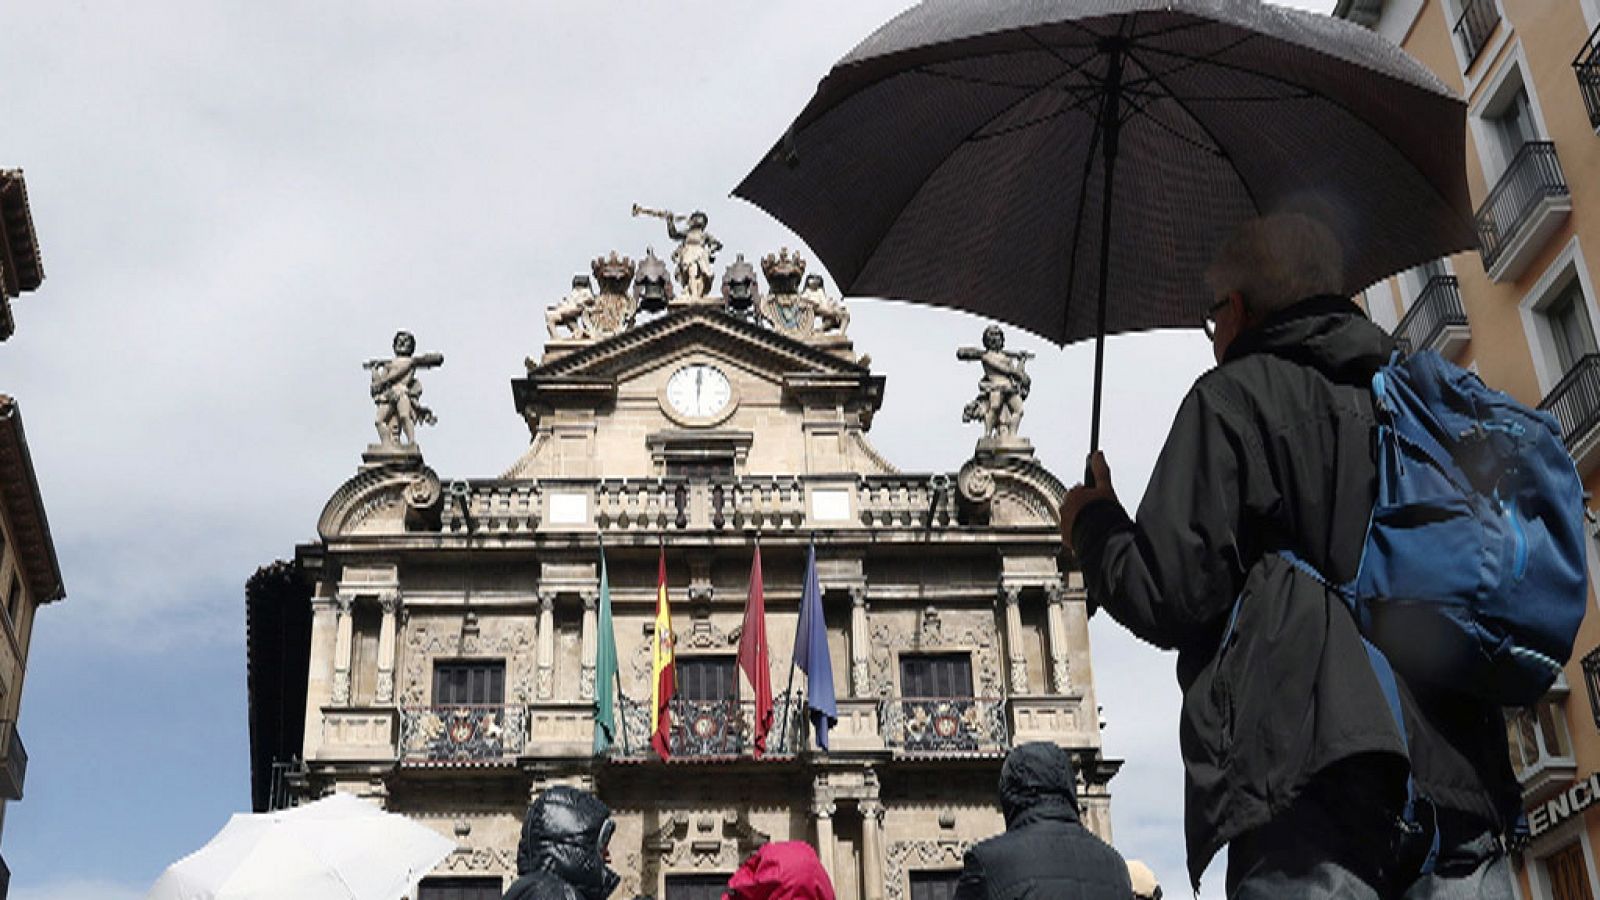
{"points": [[1474, 574]]}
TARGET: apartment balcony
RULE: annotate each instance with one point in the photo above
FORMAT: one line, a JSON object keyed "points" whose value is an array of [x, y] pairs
{"points": [[464, 735], [14, 767], [1528, 204], [1575, 402], [1587, 68], [711, 730], [944, 726], [1474, 28], [1436, 321]]}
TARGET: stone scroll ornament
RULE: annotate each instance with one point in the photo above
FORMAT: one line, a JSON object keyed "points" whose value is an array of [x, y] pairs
{"points": [[397, 393]]}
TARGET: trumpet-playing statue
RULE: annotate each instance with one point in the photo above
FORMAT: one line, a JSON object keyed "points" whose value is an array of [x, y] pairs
{"points": [[397, 392], [1005, 384], [696, 253]]}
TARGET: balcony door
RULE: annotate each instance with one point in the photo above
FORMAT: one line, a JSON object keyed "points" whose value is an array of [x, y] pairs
{"points": [[1570, 326], [928, 675], [934, 885], [469, 683], [1514, 125], [708, 679]]}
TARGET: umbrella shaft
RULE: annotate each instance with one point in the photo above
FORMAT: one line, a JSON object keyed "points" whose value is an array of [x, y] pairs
{"points": [[1110, 127]]}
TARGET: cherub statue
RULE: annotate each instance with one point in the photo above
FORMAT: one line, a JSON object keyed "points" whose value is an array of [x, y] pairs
{"points": [[397, 392], [1005, 384], [696, 253], [831, 314], [572, 311]]}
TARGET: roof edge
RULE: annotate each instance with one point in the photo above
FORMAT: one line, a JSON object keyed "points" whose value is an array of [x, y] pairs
{"points": [[24, 503]]}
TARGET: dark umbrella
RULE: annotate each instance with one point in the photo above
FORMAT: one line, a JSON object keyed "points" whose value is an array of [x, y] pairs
{"points": [[962, 155]]}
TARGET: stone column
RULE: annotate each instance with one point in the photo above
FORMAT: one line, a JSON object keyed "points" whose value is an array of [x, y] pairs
{"points": [[1018, 659], [1056, 620], [546, 684], [822, 809], [343, 639], [872, 847], [390, 603], [590, 645], [860, 648]]}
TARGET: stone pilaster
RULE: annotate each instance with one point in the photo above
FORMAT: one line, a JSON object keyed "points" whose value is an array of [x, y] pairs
{"points": [[1016, 657], [590, 645], [872, 847], [344, 635], [545, 686], [822, 810], [390, 604], [1056, 622], [860, 646]]}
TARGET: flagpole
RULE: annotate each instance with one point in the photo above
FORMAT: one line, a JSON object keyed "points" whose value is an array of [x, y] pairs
{"points": [[624, 728], [788, 692]]}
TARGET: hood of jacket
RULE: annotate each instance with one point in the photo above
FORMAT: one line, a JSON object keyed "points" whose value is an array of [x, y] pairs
{"points": [[788, 870], [1329, 334], [564, 834], [1038, 782]]}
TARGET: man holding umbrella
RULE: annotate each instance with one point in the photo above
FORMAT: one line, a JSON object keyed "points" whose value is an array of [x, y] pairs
{"points": [[1292, 758]]}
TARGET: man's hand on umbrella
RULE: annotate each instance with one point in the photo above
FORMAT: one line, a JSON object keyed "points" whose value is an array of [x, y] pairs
{"points": [[1081, 496]]}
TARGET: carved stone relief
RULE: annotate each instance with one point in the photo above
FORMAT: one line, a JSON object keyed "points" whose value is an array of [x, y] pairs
{"points": [[903, 856], [935, 632]]}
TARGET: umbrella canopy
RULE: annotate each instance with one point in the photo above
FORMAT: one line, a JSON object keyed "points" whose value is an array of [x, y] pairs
{"points": [[957, 157], [338, 848]]}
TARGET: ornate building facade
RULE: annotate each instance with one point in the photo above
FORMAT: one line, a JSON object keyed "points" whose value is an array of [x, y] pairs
{"points": [[435, 648]]}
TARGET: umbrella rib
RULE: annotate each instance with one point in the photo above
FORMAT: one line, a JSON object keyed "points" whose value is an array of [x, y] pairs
{"points": [[1022, 126], [1138, 110], [1232, 164], [1077, 222]]}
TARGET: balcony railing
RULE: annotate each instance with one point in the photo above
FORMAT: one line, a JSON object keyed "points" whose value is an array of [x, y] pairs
{"points": [[1533, 177], [1477, 22], [1587, 68], [14, 767], [712, 729], [462, 733], [1591, 681], [938, 725], [1575, 401], [1437, 308]]}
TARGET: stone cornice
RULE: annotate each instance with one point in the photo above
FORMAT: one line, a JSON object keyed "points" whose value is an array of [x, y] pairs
{"points": [[24, 508]]}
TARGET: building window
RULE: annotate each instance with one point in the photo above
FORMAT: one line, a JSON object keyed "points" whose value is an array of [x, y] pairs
{"points": [[934, 885], [696, 887], [469, 683], [714, 468], [1591, 680], [708, 679], [459, 889], [936, 675], [1512, 123], [365, 622], [1569, 321], [1538, 735], [1568, 873]]}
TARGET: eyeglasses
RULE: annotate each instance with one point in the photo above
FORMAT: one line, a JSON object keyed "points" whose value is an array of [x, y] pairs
{"points": [[1209, 323]]}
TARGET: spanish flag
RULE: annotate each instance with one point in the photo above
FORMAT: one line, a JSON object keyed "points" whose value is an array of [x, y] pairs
{"points": [[663, 674]]}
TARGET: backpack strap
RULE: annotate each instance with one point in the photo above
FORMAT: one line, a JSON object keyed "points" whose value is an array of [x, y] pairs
{"points": [[1386, 683]]}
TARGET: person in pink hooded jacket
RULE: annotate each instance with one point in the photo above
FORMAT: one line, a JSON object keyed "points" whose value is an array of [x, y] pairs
{"points": [[788, 870]]}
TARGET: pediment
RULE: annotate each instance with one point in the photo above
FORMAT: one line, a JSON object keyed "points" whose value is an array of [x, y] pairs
{"points": [[618, 358]]}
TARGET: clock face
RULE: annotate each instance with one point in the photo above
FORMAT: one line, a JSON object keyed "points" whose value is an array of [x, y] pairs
{"points": [[699, 391]]}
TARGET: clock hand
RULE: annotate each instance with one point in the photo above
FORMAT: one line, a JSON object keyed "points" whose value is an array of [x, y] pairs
{"points": [[699, 376]]}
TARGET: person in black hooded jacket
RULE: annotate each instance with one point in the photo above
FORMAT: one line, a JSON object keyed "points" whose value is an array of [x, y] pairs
{"points": [[1291, 756], [1045, 852], [562, 854]]}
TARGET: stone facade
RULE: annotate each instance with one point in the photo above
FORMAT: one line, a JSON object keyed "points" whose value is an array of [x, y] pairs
{"points": [[414, 571]]}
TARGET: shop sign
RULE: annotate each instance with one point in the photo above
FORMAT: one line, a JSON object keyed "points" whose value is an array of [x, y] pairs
{"points": [[1575, 799]]}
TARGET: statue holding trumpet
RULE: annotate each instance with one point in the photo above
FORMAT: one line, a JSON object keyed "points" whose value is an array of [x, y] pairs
{"points": [[696, 252]]}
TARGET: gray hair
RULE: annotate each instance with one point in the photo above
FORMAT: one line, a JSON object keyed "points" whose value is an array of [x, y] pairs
{"points": [[1277, 260]]}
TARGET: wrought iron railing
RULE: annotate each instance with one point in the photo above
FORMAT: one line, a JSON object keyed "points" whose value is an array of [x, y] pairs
{"points": [[712, 729], [15, 771], [1477, 22], [280, 788], [943, 724], [1587, 68], [462, 733], [1575, 400], [1591, 681], [1438, 307], [1534, 176]]}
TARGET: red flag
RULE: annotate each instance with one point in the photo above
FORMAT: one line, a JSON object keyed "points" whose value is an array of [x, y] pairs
{"points": [[664, 668], [753, 653]]}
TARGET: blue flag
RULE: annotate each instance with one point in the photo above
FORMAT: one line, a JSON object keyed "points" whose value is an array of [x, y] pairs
{"points": [[811, 655]]}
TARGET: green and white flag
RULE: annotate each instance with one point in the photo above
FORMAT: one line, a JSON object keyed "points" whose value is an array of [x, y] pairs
{"points": [[605, 670]]}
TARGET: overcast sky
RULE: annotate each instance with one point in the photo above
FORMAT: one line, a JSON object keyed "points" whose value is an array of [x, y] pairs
{"points": [[239, 201]]}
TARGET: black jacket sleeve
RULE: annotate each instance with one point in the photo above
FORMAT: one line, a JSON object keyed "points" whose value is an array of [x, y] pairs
{"points": [[972, 885], [1171, 574]]}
